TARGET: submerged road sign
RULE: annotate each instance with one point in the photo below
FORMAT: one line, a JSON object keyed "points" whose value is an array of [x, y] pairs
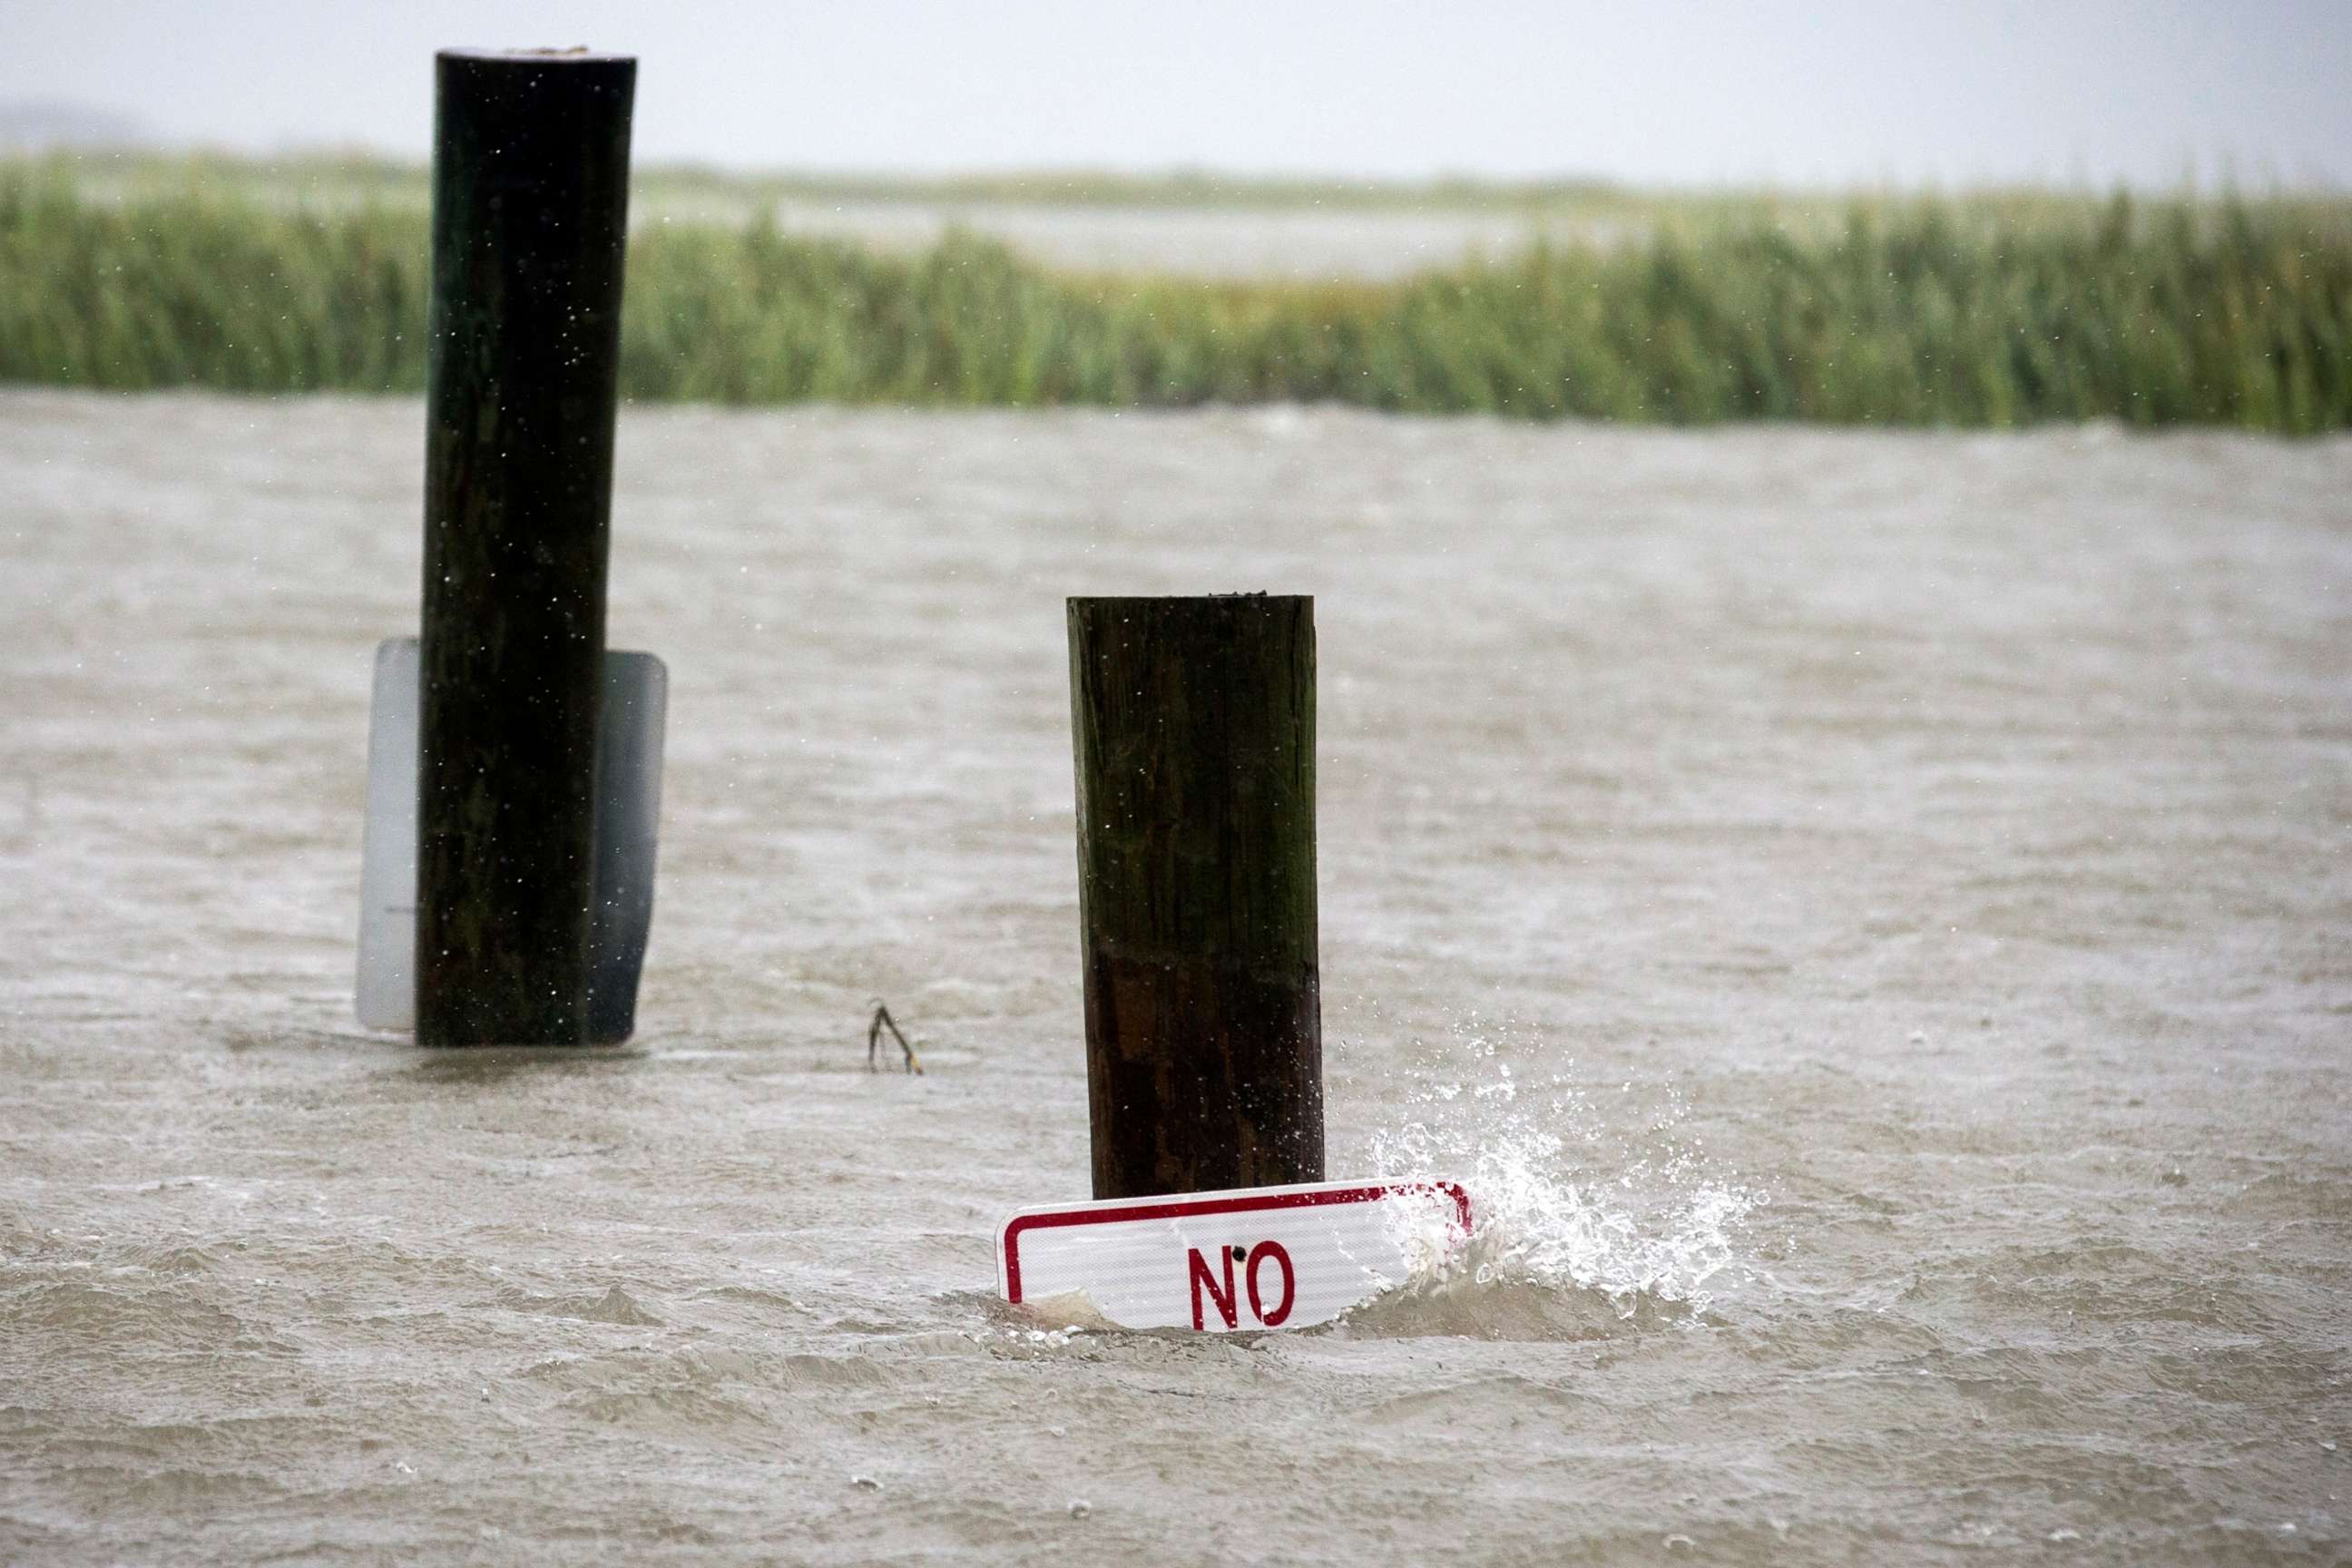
{"points": [[628, 808], [1267, 1257]]}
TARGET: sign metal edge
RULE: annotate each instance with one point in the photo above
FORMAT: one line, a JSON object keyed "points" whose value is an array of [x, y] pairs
{"points": [[1174, 1205]]}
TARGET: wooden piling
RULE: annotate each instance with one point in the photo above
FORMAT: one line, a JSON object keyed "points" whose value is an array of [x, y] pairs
{"points": [[1194, 726], [531, 174]]}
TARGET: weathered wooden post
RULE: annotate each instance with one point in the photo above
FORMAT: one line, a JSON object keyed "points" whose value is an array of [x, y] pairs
{"points": [[531, 177], [1194, 726]]}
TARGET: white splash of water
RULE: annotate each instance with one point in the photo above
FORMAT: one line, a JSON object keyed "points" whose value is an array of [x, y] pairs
{"points": [[1562, 1196]]}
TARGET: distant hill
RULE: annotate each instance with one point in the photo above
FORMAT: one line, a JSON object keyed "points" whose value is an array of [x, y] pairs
{"points": [[41, 127]]}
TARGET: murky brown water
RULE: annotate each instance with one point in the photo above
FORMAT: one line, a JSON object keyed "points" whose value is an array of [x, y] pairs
{"points": [[1869, 915]]}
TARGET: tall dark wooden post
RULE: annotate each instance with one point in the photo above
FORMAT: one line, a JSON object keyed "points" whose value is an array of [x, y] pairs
{"points": [[530, 179], [1194, 723]]}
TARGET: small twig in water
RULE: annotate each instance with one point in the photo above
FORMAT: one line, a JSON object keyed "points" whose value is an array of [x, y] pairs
{"points": [[882, 1020]]}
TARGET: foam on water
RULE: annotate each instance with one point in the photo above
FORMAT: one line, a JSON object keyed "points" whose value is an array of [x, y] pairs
{"points": [[1563, 1197]]}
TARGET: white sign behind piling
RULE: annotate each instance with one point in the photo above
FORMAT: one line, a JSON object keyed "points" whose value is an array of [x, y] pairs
{"points": [[1269, 1257]]}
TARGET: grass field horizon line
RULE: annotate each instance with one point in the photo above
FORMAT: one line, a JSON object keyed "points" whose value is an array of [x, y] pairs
{"points": [[1918, 311], [369, 171]]}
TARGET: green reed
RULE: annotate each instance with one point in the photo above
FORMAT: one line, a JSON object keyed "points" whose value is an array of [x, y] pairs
{"points": [[1960, 311]]}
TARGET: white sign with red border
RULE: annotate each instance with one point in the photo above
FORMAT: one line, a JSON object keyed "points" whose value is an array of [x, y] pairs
{"points": [[1265, 1257]]}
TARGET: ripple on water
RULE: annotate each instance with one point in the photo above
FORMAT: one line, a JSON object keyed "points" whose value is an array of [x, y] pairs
{"points": [[615, 1305], [108, 1319], [1463, 1307]]}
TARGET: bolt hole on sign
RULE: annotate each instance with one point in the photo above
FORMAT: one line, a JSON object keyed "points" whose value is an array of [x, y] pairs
{"points": [[1263, 1258]]}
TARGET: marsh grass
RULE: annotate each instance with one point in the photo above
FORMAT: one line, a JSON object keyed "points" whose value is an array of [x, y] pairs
{"points": [[1976, 312]]}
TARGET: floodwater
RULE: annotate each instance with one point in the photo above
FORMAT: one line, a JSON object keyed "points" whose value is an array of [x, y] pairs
{"points": [[1867, 914], [1243, 242]]}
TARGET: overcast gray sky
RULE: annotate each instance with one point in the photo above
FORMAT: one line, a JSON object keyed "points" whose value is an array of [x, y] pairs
{"points": [[1837, 93]]}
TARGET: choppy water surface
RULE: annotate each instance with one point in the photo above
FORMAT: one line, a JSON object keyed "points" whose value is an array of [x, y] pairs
{"points": [[1868, 914]]}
